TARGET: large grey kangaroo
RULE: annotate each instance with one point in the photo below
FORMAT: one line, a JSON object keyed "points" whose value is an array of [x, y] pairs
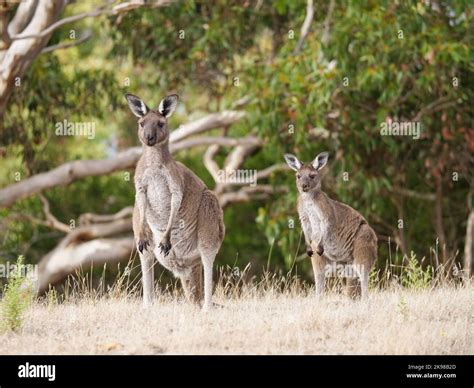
{"points": [[176, 219], [334, 232]]}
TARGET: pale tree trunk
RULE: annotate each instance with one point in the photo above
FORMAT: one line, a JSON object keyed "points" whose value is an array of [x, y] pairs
{"points": [[17, 55]]}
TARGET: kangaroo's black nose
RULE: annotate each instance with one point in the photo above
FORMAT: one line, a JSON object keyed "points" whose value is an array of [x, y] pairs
{"points": [[150, 139], [305, 186]]}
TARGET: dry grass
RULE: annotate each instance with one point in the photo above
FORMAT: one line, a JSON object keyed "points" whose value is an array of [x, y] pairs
{"points": [[267, 318]]}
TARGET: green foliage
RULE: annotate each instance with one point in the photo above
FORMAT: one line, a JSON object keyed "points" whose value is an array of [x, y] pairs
{"points": [[414, 276], [17, 297], [388, 78], [45, 99], [188, 42]]}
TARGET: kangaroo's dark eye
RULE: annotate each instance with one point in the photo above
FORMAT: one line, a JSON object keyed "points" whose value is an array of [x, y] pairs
{"points": [[140, 124], [298, 176], [312, 176], [160, 125]]}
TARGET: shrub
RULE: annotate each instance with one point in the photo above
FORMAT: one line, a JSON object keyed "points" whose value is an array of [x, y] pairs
{"points": [[17, 297]]}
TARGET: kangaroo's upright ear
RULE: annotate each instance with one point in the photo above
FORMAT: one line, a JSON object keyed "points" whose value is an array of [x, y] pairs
{"points": [[137, 106], [320, 161], [293, 162], [168, 105]]}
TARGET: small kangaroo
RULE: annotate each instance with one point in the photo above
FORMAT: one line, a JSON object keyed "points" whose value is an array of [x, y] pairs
{"points": [[334, 232], [176, 218]]}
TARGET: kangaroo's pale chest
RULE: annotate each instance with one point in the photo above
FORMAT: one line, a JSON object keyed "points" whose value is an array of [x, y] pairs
{"points": [[158, 197], [319, 224]]}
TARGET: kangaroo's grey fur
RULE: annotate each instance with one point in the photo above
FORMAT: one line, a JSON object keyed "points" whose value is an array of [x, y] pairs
{"points": [[176, 219], [334, 232]]}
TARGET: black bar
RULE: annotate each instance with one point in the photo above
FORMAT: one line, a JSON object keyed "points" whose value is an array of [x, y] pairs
{"points": [[318, 371]]}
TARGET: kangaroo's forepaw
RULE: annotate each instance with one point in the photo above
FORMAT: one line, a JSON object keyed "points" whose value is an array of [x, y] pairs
{"points": [[320, 250], [143, 245], [165, 247]]}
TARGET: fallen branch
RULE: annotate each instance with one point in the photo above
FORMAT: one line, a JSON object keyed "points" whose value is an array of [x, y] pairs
{"points": [[66, 259], [90, 218]]}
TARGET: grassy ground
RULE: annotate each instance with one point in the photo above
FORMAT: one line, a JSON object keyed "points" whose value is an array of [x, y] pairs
{"points": [[253, 321]]}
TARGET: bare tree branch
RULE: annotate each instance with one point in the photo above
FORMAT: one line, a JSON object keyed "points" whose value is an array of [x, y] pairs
{"points": [[24, 217], [327, 24], [249, 193], [306, 26], [238, 155], [131, 5], [241, 102], [413, 194], [50, 218], [210, 140], [267, 172], [86, 35], [435, 106], [211, 121], [68, 173], [90, 218]]}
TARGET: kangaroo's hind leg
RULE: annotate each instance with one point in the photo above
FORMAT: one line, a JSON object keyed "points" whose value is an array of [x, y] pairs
{"points": [[319, 270], [364, 254], [210, 235], [352, 287], [192, 283], [147, 260]]}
